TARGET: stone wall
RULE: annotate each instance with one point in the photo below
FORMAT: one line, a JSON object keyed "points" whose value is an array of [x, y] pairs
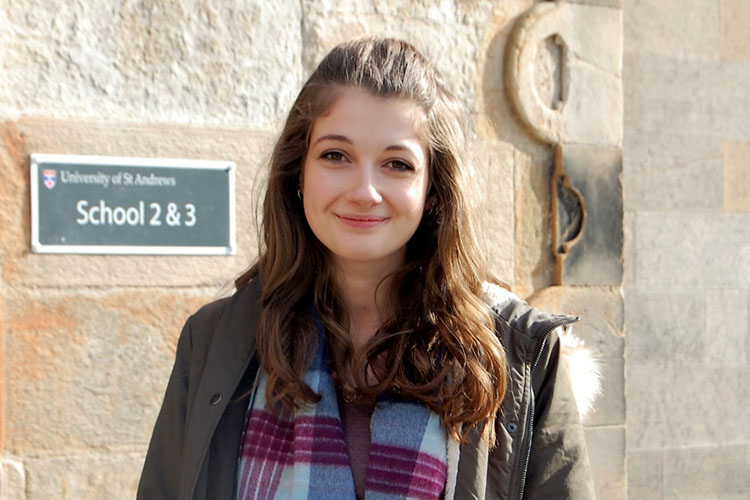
{"points": [[687, 210], [86, 342]]}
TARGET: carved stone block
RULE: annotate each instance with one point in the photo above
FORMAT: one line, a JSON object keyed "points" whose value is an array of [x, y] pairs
{"points": [[584, 45], [589, 232]]}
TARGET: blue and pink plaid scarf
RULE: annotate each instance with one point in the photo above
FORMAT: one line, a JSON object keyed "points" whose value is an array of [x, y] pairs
{"points": [[303, 454]]}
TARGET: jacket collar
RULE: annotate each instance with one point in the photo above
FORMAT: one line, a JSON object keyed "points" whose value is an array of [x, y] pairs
{"points": [[232, 348]]}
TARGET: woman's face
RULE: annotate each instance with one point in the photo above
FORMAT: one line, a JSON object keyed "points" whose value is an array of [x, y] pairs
{"points": [[365, 178]]}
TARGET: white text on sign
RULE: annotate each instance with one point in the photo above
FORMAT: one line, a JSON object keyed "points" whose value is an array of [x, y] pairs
{"points": [[136, 215]]}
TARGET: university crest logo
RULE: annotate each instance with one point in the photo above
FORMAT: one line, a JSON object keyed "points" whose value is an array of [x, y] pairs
{"points": [[50, 178]]}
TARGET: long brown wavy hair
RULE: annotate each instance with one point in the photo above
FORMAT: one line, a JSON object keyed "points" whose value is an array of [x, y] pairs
{"points": [[438, 343]]}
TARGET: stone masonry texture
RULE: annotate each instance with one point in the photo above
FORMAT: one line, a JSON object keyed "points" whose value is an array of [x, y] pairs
{"points": [[687, 251], [87, 342]]}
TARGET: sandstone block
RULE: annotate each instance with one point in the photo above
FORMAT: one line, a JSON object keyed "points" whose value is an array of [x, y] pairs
{"points": [[534, 260], [628, 251], [727, 327], [448, 38], [672, 171], [683, 405], [731, 100], [736, 158], [191, 63], [600, 3], [248, 149], [493, 165], [12, 479], [88, 368], [735, 37], [713, 247], [661, 92], [86, 477], [718, 472], [644, 472], [655, 148], [688, 28], [672, 94], [665, 328], [606, 449]]}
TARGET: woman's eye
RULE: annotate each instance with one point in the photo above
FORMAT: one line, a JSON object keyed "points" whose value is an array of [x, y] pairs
{"points": [[335, 156], [399, 166]]}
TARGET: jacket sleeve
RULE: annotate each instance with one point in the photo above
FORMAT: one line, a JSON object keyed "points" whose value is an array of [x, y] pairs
{"points": [[161, 474], [558, 464]]}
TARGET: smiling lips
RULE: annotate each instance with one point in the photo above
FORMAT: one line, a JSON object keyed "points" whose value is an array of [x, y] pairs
{"points": [[361, 221]]}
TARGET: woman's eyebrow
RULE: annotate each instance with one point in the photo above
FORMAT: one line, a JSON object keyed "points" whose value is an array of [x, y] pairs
{"points": [[334, 137], [398, 147]]}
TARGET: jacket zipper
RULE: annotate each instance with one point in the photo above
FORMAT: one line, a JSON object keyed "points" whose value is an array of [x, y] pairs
{"points": [[532, 402]]}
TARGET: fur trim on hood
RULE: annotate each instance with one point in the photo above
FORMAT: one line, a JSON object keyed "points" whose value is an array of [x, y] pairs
{"points": [[584, 370], [582, 365]]}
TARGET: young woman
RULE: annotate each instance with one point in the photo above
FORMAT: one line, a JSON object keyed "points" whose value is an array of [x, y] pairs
{"points": [[366, 354]]}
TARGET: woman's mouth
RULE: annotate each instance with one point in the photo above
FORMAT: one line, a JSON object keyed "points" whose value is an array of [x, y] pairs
{"points": [[361, 221]]}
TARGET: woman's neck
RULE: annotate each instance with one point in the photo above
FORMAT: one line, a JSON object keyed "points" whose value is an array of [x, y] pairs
{"points": [[357, 285]]}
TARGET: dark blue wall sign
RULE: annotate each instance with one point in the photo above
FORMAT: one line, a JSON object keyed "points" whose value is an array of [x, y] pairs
{"points": [[97, 204]]}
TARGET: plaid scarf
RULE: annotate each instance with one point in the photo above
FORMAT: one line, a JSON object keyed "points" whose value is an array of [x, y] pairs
{"points": [[303, 454]]}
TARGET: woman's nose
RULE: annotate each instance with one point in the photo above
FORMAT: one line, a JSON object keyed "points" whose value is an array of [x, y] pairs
{"points": [[365, 189]]}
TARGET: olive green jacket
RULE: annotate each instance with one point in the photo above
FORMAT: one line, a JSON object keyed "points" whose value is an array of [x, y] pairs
{"points": [[540, 453]]}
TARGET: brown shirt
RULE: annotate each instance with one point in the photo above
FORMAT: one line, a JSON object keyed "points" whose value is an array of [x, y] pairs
{"points": [[355, 419]]}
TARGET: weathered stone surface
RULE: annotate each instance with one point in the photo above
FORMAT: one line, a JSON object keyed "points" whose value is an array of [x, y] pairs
{"points": [[176, 62], [678, 250], [736, 157], [628, 251], [644, 472], [731, 100], [657, 149], [248, 149], [89, 368], [448, 33], [590, 101], [599, 3], [665, 327], [661, 26], [678, 95], [12, 479], [493, 163], [661, 92], [712, 472], [606, 448], [497, 117], [672, 170], [727, 327], [596, 259], [534, 259], [735, 37], [601, 329], [95, 476], [681, 405]]}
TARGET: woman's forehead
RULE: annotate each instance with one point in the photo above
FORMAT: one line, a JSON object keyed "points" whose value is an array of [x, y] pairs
{"points": [[358, 107]]}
